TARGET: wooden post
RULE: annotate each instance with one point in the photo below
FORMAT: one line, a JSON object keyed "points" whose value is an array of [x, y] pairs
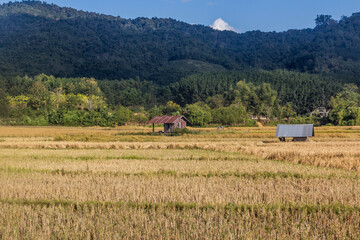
{"points": [[153, 127]]}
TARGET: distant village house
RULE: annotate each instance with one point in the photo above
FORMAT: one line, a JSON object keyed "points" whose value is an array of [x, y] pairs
{"points": [[260, 118], [170, 122], [320, 112]]}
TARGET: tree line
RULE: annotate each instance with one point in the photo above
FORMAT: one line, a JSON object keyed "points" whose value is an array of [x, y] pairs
{"points": [[221, 99]]}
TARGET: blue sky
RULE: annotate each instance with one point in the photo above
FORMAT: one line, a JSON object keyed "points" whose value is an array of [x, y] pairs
{"points": [[242, 15]]}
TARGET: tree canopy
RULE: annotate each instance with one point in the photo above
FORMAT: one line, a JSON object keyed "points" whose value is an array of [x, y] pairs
{"points": [[37, 38]]}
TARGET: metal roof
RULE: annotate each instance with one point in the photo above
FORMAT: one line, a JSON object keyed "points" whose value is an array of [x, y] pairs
{"points": [[167, 119], [295, 130]]}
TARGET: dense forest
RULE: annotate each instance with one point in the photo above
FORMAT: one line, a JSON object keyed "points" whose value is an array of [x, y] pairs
{"points": [[67, 67], [37, 38]]}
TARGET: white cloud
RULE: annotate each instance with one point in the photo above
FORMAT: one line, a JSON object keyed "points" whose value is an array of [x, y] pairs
{"points": [[185, 1], [221, 25]]}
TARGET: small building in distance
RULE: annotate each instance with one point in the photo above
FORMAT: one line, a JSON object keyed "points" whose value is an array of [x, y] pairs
{"points": [[299, 132], [259, 118], [322, 112], [170, 122]]}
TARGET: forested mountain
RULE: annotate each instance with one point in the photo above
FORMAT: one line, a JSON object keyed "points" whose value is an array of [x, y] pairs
{"points": [[60, 66], [36, 38]]}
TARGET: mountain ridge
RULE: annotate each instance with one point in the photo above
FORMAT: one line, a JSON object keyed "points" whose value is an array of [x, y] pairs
{"points": [[37, 37], [38, 8]]}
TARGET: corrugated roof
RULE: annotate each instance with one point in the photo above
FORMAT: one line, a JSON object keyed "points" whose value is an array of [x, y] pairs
{"points": [[167, 119], [295, 130]]}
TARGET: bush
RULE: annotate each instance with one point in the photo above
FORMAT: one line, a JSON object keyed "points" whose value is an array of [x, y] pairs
{"points": [[39, 121], [71, 118], [30, 121], [56, 117], [122, 115], [181, 131], [232, 115], [250, 123], [198, 115]]}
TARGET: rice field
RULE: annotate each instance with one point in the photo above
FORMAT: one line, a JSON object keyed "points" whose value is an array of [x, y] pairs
{"points": [[121, 183]]}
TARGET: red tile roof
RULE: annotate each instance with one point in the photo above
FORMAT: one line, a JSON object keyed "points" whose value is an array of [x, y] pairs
{"points": [[167, 119]]}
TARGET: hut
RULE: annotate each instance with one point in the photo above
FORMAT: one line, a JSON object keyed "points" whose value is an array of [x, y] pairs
{"points": [[299, 132], [170, 122]]}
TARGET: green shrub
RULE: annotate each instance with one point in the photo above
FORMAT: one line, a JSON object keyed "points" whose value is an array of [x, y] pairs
{"points": [[71, 118], [199, 115], [39, 121], [181, 131]]}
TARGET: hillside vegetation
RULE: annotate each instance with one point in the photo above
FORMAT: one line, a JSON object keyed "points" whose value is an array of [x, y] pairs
{"points": [[227, 99], [52, 59], [44, 38]]}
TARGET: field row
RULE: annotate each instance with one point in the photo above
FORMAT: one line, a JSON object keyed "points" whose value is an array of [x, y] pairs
{"points": [[159, 189], [66, 220], [175, 174], [174, 162]]}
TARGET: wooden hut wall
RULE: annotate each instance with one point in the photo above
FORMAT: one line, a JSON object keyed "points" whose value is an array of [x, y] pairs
{"points": [[183, 123]]}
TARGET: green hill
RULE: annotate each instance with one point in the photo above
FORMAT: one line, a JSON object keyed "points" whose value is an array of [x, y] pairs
{"points": [[39, 38]]}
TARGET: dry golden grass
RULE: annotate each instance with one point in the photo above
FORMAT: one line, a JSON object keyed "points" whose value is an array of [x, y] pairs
{"points": [[63, 220], [329, 153], [113, 183], [180, 161], [335, 154], [157, 188]]}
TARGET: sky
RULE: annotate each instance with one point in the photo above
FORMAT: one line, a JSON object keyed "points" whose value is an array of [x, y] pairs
{"points": [[236, 15]]}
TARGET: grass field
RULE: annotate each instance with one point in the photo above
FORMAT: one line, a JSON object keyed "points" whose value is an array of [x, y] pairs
{"points": [[120, 183]]}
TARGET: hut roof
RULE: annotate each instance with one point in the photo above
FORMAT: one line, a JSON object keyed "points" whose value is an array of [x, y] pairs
{"points": [[295, 130], [168, 119]]}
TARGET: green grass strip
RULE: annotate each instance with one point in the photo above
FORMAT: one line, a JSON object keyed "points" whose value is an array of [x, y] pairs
{"points": [[337, 208], [169, 173], [132, 157]]}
